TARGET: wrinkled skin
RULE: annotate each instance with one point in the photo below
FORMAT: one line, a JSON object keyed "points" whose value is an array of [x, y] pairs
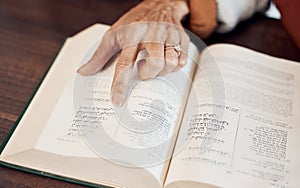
{"points": [[152, 26]]}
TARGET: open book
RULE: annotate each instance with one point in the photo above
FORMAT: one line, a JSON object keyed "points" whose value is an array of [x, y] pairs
{"points": [[229, 118]]}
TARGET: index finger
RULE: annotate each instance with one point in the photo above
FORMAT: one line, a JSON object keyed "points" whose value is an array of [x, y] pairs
{"points": [[124, 77]]}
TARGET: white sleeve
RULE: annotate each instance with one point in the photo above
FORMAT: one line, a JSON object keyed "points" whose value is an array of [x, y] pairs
{"points": [[230, 12]]}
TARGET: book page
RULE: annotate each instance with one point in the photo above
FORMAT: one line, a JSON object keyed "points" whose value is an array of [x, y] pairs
{"points": [[70, 122], [84, 123], [240, 126]]}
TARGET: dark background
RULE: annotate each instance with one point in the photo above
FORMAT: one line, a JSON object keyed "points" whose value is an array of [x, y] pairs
{"points": [[32, 32]]}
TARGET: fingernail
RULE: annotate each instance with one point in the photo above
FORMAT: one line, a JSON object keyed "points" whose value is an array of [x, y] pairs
{"points": [[81, 70], [118, 99]]}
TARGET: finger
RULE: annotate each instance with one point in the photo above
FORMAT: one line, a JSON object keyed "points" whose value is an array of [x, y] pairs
{"points": [[171, 55], [154, 61], [131, 34], [123, 77], [107, 48], [153, 43], [184, 44]]}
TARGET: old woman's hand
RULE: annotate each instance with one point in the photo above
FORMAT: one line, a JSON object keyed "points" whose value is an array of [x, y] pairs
{"points": [[152, 26]]}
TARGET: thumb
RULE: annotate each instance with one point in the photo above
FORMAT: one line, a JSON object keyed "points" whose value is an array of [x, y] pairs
{"points": [[107, 48], [203, 19]]}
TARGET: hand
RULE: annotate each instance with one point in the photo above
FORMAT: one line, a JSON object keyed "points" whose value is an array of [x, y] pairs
{"points": [[151, 26]]}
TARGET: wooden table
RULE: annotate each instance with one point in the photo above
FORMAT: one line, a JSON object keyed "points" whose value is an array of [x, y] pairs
{"points": [[32, 31]]}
